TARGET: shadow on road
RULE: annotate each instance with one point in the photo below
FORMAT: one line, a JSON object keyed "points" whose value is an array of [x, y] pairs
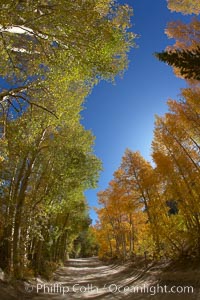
{"points": [[89, 278]]}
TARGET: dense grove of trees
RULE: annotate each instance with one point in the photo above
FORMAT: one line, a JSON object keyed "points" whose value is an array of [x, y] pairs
{"points": [[154, 209], [52, 54], [157, 209]]}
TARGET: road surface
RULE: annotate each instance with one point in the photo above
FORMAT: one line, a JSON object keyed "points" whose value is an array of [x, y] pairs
{"points": [[91, 279]]}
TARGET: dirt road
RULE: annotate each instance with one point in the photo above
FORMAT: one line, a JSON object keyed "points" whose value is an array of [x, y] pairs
{"points": [[91, 279]]}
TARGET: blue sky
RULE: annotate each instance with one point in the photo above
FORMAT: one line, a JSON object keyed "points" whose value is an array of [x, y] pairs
{"points": [[122, 116]]}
